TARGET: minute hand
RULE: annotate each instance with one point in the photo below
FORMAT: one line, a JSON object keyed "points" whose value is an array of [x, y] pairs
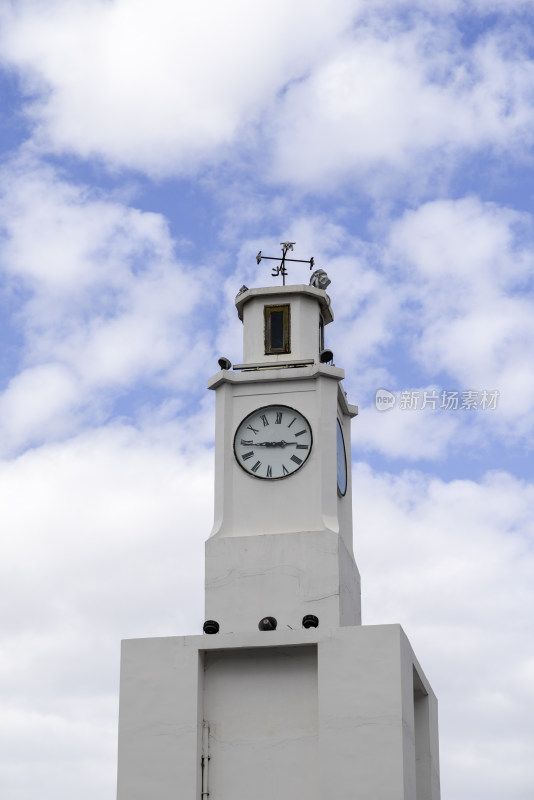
{"points": [[273, 444]]}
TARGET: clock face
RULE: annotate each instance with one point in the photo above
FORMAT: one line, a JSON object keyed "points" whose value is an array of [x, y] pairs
{"points": [[341, 462], [273, 442]]}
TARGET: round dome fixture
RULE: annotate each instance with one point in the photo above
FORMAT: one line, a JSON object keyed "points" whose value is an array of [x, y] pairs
{"points": [[310, 621], [267, 624], [210, 626]]}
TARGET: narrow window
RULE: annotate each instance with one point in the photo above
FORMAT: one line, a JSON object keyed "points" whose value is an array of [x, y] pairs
{"points": [[277, 330], [321, 335]]}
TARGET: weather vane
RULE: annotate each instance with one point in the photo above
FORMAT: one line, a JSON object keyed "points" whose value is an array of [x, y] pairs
{"points": [[281, 268]]}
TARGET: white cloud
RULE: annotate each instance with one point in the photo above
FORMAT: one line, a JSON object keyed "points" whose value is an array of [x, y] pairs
{"points": [[409, 434], [165, 87], [389, 103], [319, 95], [100, 299], [31, 740], [37, 404], [466, 242], [469, 264], [66, 239]]}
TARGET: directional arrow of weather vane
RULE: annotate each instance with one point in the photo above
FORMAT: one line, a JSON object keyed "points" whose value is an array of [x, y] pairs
{"points": [[281, 268]]}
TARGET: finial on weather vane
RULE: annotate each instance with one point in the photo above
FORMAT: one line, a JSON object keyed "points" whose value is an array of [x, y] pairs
{"points": [[281, 268]]}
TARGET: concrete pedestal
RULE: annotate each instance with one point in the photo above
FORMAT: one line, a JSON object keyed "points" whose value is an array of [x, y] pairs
{"points": [[319, 713], [284, 576]]}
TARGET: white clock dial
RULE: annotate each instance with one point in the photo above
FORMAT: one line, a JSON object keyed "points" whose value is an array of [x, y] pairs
{"points": [[273, 442], [341, 462]]}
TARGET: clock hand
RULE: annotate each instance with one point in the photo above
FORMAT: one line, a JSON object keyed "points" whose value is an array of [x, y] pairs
{"points": [[272, 444]]}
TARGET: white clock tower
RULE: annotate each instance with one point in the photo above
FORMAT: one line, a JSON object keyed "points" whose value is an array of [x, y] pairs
{"points": [[285, 694], [281, 544]]}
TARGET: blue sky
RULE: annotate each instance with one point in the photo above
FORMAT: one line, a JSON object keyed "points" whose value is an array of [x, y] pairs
{"points": [[149, 150]]}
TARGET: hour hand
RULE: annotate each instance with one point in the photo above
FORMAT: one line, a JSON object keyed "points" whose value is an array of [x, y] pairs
{"points": [[276, 444], [250, 443]]}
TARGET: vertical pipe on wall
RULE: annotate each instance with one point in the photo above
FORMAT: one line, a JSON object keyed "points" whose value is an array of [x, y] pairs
{"points": [[205, 760]]}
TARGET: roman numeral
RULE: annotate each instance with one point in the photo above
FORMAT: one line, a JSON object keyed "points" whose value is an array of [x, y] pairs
{"points": [[246, 456], [256, 466], [292, 421], [299, 446], [248, 442], [301, 432], [296, 459], [269, 472], [264, 420], [285, 471], [250, 428], [279, 415]]}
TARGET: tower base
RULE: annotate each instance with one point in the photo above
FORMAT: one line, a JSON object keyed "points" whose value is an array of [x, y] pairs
{"points": [[318, 713]]}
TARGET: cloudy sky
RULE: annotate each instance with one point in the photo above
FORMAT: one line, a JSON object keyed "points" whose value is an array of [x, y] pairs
{"points": [[149, 150]]}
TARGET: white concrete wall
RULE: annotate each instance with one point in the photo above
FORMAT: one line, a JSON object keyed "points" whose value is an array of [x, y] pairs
{"points": [[284, 576], [261, 705], [160, 720], [352, 717]]}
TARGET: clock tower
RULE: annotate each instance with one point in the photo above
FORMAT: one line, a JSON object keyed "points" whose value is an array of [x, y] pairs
{"points": [[285, 694], [281, 543]]}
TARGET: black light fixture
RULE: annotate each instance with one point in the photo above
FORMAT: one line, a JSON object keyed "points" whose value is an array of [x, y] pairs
{"points": [[224, 363], [325, 356], [210, 626], [310, 621], [267, 624]]}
